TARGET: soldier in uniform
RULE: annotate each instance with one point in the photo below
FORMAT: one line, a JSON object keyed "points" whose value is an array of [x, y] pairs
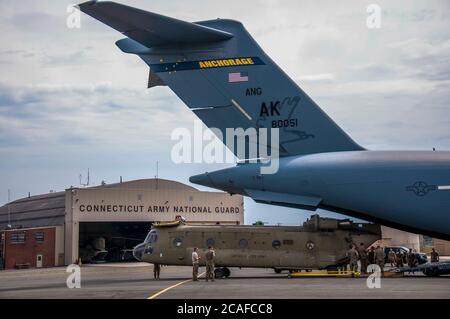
{"points": [[434, 256], [210, 263], [195, 264], [412, 260], [391, 257], [363, 257], [405, 258], [399, 259], [353, 255], [379, 257], [371, 256], [156, 271]]}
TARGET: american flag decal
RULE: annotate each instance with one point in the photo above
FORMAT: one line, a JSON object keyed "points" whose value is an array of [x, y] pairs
{"points": [[237, 77]]}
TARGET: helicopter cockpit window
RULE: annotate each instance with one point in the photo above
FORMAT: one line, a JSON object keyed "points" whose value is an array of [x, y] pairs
{"points": [[152, 237]]}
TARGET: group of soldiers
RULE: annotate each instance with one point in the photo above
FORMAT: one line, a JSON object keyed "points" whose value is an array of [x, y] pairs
{"points": [[366, 257], [210, 257], [398, 259], [376, 256]]}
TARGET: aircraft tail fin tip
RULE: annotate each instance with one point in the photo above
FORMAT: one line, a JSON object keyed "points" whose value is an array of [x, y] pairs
{"points": [[151, 29]]}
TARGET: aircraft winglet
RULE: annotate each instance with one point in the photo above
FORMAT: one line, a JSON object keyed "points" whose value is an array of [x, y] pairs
{"points": [[151, 29]]}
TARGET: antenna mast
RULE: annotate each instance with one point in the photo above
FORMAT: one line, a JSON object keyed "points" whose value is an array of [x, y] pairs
{"points": [[157, 173], [9, 209], [88, 180]]}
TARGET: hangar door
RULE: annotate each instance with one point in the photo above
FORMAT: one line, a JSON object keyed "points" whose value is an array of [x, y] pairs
{"points": [[110, 241]]}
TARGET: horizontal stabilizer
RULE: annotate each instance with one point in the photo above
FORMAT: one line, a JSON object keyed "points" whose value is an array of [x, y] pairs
{"points": [[306, 202], [151, 29]]}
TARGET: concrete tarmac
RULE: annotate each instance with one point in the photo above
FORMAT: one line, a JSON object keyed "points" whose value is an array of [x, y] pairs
{"points": [[136, 281]]}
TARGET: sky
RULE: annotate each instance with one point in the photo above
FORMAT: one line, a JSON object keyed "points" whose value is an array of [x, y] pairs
{"points": [[71, 100]]}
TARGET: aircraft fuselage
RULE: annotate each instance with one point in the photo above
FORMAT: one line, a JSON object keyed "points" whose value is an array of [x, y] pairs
{"points": [[408, 190]]}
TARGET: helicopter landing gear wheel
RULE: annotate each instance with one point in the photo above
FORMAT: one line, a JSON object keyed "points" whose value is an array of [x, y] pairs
{"points": [[221, 273]]}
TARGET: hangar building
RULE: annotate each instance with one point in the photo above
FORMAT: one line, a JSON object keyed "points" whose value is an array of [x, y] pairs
{"points": [[56, 229]]}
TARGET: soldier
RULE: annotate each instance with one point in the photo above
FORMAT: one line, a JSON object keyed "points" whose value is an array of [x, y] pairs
{"points": [[156, 271], [379, 258], [434, 256], [412, 258], [195, 264], [363, 257], [399, 259], [391, 257], [210, 263], [405, 258], [371, 256], [353, 255]]}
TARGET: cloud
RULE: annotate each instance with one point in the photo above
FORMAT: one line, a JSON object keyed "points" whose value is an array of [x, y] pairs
{"points": [[316, 77], [65, 59], [93, 115], [36, 22]]}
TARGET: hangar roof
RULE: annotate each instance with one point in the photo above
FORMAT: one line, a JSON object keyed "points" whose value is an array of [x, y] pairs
{"points": [[36, 211], [150, 184], [49, 209]]}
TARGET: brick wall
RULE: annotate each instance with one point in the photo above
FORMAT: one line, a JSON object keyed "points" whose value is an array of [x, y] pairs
{"points": [[23, 253]]}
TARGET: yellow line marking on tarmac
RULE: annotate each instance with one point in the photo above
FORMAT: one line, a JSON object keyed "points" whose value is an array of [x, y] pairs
{"points": [[171, 287], [325, 274]]}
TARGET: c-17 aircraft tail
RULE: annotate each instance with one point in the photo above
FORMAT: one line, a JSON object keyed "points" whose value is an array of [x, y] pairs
{"points": [[218, 70]]}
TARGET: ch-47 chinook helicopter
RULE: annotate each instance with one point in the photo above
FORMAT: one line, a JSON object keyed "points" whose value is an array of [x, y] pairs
{"points": [[321, 243]]}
